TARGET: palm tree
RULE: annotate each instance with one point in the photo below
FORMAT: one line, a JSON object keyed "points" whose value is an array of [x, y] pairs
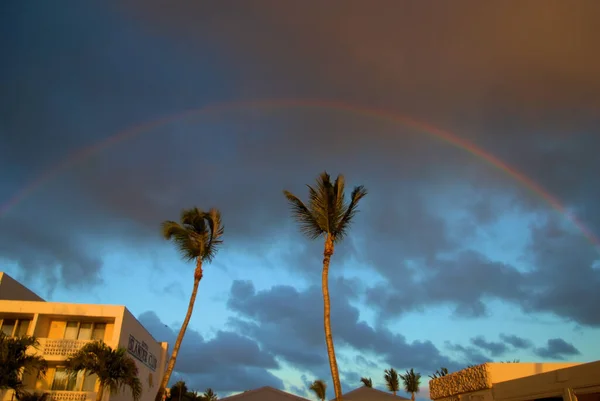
{"points": [[209, 395], [197, 237], [439, 373], [367, 382], [319, 387], [15, 362], [392, 380], [178, 391], [411, 381], [328, 216], [114, 368], [25, 396]]}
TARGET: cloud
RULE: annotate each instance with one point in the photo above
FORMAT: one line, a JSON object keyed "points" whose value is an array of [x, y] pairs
{"points": [[557, 348], [516, 341], [226, 363], [493, 348], [284, 312]]}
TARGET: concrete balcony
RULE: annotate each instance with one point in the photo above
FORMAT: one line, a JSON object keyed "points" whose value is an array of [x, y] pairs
{"points": [[71, 396], [57, 349]]}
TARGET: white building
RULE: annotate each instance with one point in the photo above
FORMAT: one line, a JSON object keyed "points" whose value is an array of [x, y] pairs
{"points": [[63, 328]]}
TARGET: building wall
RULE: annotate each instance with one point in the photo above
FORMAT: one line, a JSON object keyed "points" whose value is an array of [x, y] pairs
{"points": [[12, 289], [584, 379], [474, 382], [149, 355]]}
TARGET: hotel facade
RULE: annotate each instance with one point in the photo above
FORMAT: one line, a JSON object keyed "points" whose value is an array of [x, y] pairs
{"points": [[63, 328]]}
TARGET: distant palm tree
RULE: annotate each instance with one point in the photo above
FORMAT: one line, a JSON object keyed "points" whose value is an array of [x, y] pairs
{"points": [[367, 382], [25, 396], [114, 368], [319, 387], [392, 380], [198, 237], [439, 373], [411, 381], [178, 391], [328, 215], [16, 362], [209, 395]]}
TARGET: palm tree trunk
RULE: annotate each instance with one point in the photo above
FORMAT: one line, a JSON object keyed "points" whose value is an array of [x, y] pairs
{"points": [[394, 392], [100, 391], [335, 374], [171, 366], [412, 397]]}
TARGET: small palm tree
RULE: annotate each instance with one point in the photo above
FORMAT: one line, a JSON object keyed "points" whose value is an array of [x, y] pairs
{"points": [[198, 237], [328, 216], [209, 395], [319, 387], [178, 391], [392, 380], [439, 373], [367, 382], [114, 368], [16, 362], [25, 396], [411, 381]]}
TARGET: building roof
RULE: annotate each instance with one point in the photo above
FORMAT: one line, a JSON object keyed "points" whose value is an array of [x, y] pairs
{"points": [[264, 394], [365, 393]]}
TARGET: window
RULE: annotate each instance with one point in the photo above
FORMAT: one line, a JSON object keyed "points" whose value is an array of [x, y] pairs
{"points": [[22, 327], [98, 332], [62, 381], [85, 331], [81, 382], [8, 326], [15, 327]]}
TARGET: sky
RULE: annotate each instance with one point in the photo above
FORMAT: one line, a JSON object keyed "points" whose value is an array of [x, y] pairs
{"points": [[115, 115]]}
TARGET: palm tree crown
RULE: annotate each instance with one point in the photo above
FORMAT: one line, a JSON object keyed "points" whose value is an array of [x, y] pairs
{"points": [[367, 382], [328, 211], [199, 234], [15, 362], [114, 368], [392, 380], [319, 387], [411, 381], [209, 395]]}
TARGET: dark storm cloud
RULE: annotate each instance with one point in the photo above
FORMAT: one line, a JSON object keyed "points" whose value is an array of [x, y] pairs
{"points": [[516, 341], [557, 348], [296, 315], [523, 84], [467, 354], [228, 362], [492, 347]]}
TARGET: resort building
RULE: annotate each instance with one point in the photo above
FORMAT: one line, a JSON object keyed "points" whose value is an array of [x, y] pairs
{"points": [[520, 382], [63, 328]]}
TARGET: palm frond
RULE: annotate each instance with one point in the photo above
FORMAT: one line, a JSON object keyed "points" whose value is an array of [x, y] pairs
{"points": [[366, 381], [411, 381], [308, 224], [216, 231], [391, 379], [358, 193], [319, 387]]}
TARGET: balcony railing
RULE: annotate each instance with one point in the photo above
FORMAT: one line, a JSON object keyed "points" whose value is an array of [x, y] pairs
{"points": [[50, 347], [72, 396]]}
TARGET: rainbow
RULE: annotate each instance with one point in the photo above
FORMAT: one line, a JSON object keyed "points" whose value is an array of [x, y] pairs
{"points": [[446, 136]]}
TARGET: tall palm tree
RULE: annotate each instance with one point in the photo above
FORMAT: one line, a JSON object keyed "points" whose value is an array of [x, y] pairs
{"points": [[392, 380], [114, 368], [16, 362], [197, 237], [439, 373], [328, 215], [209, 395], [411, 381], [319, 387], [367, 382]]}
